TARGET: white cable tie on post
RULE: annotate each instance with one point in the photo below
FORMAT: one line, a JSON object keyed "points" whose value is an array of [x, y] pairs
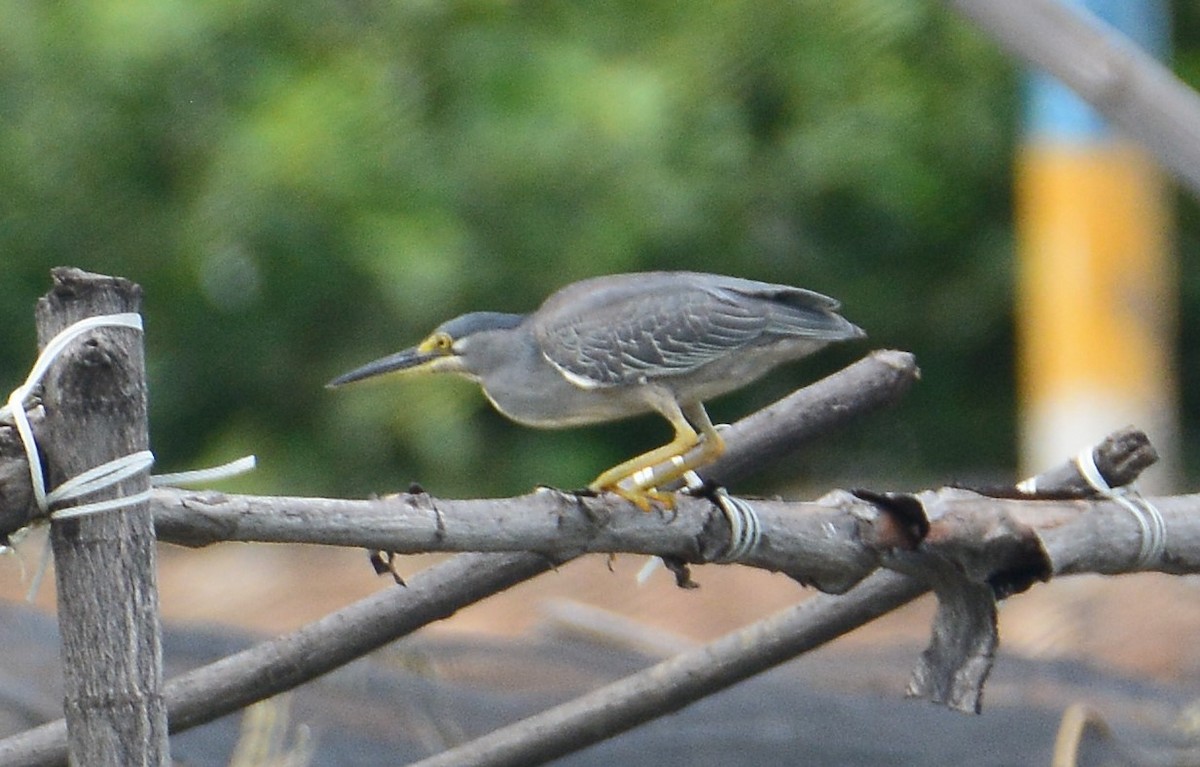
{"points": [[1151, 525], [99, 477], [94, 479], [16, 407]]}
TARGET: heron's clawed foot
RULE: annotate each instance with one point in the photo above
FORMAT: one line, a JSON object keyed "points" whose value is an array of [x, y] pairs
{"points": [[645, 498]]}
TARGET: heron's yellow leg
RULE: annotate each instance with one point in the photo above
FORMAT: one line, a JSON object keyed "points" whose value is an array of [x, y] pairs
{"points": [[711, 447], [685, 438], [636, 480]]}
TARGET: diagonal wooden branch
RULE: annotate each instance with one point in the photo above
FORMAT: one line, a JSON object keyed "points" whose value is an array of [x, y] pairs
{"points": [[281, 664], [675, 683], [1125, 84]]}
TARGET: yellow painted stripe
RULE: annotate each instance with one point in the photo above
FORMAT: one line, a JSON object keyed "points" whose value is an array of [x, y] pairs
{"points": [[1096, 296]]}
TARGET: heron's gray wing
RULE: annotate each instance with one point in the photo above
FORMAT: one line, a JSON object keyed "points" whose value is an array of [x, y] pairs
{"points": [[627, 328], [800, 313]]}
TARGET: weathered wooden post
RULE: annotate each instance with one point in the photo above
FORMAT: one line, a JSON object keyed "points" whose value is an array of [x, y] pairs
{"points": [[95, 411]]}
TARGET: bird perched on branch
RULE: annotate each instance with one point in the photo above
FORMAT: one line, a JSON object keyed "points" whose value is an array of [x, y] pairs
{"points": [[612, 347]]}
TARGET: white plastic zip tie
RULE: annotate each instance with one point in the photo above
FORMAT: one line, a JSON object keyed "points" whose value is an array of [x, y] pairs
{"points": [[100, 478], [745, 528], [90, 481], [1152, 526], [648, 569], [198, 476], [97, 478], [106, 474]]}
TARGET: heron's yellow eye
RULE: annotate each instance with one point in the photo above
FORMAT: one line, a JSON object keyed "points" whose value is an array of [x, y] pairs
{"points": [[438, 342]]}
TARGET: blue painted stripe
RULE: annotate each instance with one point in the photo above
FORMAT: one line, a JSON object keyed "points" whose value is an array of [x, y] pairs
{"points": [[1052, 110]]}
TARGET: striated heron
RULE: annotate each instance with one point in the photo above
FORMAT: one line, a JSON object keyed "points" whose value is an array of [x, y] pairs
{"points": [[617, 346]]}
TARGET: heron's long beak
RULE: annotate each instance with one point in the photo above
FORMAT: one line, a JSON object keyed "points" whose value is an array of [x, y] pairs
{"points": [[415, 360]]}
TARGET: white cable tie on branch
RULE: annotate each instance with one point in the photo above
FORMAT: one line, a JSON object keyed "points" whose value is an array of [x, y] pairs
{"points": [[200, 476], [651, 565], [745, 528], [744, 525], [100, 478], [1151, 525], [1028, 486]]}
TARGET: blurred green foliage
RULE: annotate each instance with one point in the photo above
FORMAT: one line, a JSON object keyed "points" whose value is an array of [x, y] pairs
{"points": [[304, 186]]}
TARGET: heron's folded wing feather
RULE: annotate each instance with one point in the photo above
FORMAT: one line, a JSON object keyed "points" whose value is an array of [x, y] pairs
{"points": [[650, 336]]}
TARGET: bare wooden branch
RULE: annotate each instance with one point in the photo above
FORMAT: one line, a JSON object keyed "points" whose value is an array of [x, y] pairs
{"points": [[95, 411], [774, 433], [832, 542], [319, 647], [1121, 457], [949, 529], [969, 548], [1125, 84]]}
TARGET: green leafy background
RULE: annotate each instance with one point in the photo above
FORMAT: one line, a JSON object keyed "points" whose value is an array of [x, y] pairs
{"points": [[301, 187]]}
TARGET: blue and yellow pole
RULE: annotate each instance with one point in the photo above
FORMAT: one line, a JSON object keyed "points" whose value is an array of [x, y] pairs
{"points": [[1096, 301]]}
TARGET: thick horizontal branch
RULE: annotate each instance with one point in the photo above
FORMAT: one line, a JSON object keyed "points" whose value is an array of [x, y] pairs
{"points": [[833, 542], [969, 547], [819, 543]]}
